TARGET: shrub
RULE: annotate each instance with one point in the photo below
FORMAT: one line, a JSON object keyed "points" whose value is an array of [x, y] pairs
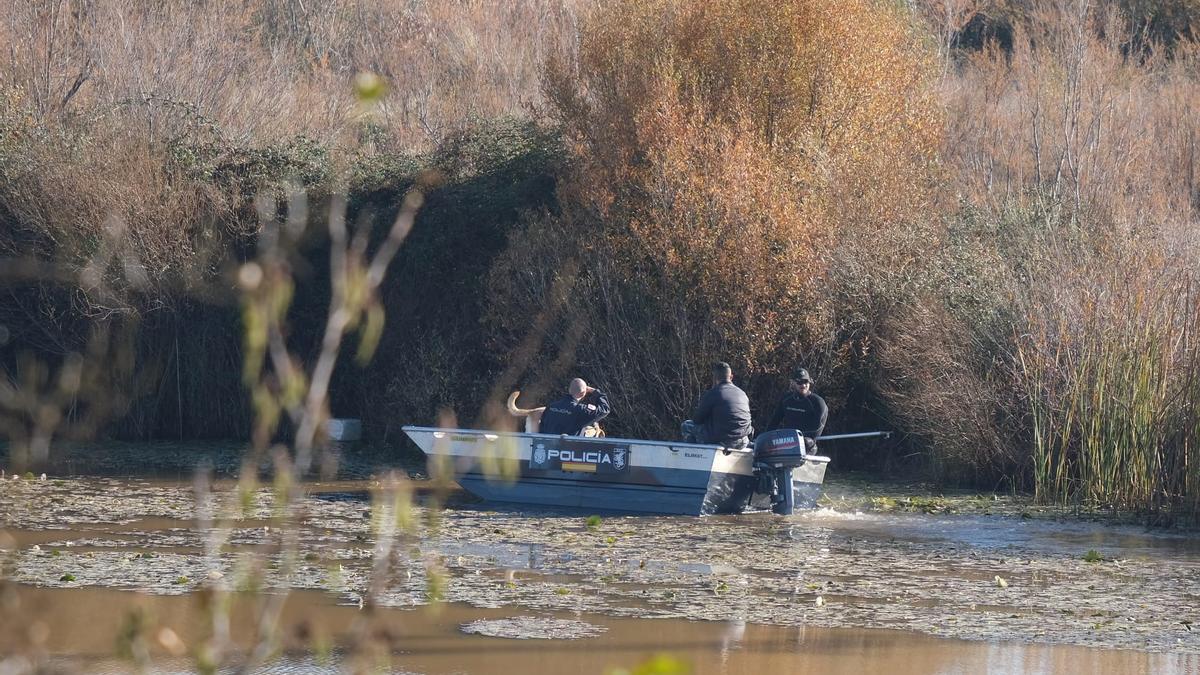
{"points": [[722, 151], [437, 356]]}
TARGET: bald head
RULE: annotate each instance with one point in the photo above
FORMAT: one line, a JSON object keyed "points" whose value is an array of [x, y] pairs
{"points": [[577, 388]]}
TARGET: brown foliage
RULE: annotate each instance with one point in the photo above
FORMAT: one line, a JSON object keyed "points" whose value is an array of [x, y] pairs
{"points": [[107, 206], [116, 117], [1074, 156], [723, 150], [105, 104], [1069, 113], [275, 68], [762, 182]]}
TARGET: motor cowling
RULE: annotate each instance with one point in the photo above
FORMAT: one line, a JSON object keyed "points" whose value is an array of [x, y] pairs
{"points": [[780, 448]]}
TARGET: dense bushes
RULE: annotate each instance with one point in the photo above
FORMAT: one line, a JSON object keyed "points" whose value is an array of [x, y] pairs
{"points": [[436, 353], [724, 153], [1059, 357], [165, 281], [1044, 357], [973, 222], [133, 140]]}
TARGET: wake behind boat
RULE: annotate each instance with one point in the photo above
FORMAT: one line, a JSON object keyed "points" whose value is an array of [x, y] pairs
{"points": [[631, 474]]}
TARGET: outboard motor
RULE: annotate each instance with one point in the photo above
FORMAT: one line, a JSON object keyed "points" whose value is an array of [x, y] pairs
{"points": [[776, 454]]}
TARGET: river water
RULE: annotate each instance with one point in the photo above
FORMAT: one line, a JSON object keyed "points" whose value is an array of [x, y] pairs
{"points": [[882, 577]]}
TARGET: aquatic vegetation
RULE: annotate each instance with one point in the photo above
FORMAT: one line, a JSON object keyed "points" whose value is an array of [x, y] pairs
{"points": [[922, 503], [883, 503], [533, 628], [902, 569], [1092, 556]]}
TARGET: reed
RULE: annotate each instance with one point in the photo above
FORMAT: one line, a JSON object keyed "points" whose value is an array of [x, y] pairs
{"points": [[1112, 403]]}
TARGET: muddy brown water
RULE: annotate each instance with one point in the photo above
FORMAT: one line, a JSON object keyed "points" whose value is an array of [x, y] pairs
{"points": [[983, 583], [83, 625]]}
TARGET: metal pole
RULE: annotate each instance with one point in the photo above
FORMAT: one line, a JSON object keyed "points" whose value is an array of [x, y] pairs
{"points": [[863, 434]]}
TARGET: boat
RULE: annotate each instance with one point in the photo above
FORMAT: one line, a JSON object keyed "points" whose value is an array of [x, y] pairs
{"points": [[620, 474]]}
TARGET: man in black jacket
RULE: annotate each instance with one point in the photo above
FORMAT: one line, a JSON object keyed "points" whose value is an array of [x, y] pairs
{"points": [[723, 415], [801, 409], [578, 411]]}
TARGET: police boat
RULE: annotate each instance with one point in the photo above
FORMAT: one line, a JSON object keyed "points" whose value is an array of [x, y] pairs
{"points": [[776, 474]]}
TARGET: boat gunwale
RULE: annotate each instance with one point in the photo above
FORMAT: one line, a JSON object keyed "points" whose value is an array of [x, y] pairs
{"points": [[638, 441]]}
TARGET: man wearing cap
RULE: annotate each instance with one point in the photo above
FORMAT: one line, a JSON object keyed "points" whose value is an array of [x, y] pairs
{"points": [[577, 413], [801, 409], [723, 415]]}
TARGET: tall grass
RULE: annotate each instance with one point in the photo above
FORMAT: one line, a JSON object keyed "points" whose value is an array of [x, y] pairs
{"points": [[1052, 347], [150, 127], [1111, 405], [1069, 116], [272, 69], [133, 138], [1103, 406]]}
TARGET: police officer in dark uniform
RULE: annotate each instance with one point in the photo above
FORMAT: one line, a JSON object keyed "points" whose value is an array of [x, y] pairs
{"points": [[723, 415], [801, 409], [577, 413]]}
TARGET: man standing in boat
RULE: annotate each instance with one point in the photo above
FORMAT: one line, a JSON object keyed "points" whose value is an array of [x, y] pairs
{"points": [[577, 413], [801, 409], [723, 415]]}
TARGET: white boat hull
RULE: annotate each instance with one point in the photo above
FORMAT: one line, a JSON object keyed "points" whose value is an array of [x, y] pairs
{"points": [[608, 473]]}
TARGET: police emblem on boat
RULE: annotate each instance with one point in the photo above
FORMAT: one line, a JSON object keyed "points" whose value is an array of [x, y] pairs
{"points": [[539, 454], [618, 459]]}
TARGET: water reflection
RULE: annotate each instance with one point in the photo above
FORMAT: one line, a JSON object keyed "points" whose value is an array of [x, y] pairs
{"points": [[83, 625]]}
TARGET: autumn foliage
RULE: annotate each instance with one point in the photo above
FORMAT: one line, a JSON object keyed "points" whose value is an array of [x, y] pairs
{"points": [[723, 152], [1054, 347], [973, 220]]}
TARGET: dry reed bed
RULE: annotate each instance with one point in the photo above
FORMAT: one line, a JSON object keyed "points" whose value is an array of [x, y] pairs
{"points": [[1002, 265]]}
